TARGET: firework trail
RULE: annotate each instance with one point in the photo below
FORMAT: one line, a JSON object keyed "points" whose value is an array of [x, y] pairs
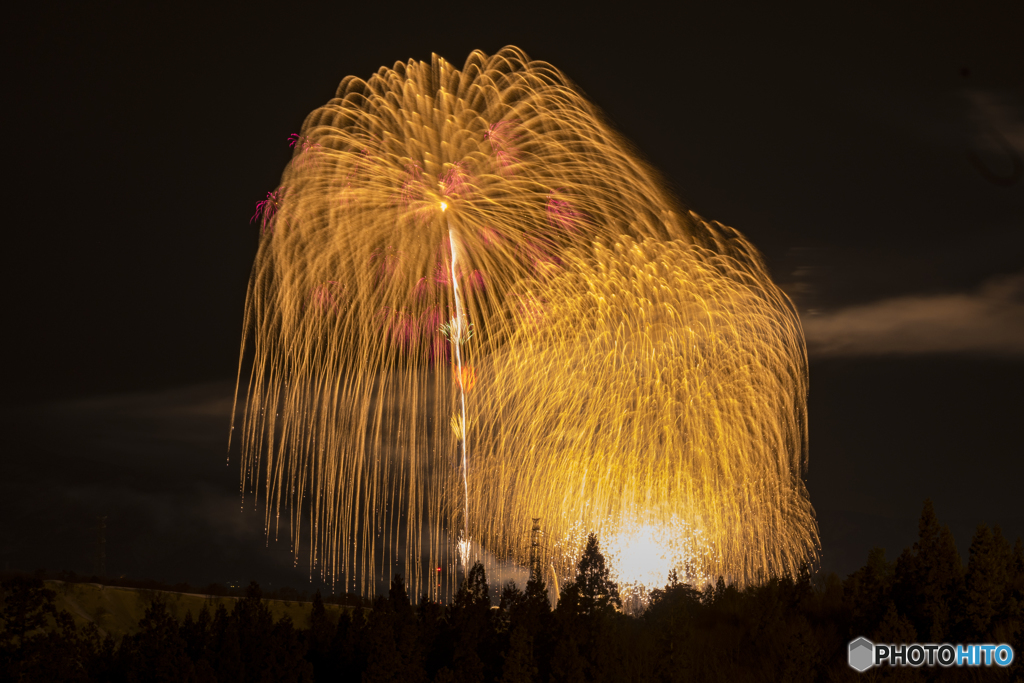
{"points": [[428, 280]]}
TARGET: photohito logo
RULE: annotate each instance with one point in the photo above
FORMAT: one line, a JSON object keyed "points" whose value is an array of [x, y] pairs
{"points": [[864, 654]]}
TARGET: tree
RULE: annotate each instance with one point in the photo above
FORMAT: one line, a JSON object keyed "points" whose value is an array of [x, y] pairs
{"points": [[868, 592], [346, 662], [255, 625], [321, 632], [597, 592], [671, 615], [285, 661], [27, 604], [38, 642], [896, 628], [470, 619], [226, 650], [517, 660], [587, 617], [986, 584], [929, 578], [157, 652], [196, 634], [435, 635], [391, 639]]}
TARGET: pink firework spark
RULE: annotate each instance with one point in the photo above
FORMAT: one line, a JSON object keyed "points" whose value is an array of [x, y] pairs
{"points": [[502, 136], [412, 185], [413, 195], [443, 272], [266, 210], [389, 259], [453, 182], [490, 237], [415, 331], [531, 309], [561, 214], [324, 296], [363, 160], [539, 256], [309, 151], [476, 281]]}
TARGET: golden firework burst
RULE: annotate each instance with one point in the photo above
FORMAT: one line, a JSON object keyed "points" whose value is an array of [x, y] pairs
{"points": [[440, 230]]}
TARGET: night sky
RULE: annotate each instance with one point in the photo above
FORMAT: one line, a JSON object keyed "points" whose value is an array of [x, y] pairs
{"points": [[873, 155]]}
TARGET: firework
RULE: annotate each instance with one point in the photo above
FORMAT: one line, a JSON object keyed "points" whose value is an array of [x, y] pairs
{"points": [[657, 399], [417, 290]]}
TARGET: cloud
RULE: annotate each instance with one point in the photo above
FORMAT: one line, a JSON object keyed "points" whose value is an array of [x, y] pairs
{"points": [[183, 417], [989, 321], [998, 139], [997, 111]]}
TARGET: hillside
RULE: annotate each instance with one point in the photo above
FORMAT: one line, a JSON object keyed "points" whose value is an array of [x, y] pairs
{"points": [[117, 611]]}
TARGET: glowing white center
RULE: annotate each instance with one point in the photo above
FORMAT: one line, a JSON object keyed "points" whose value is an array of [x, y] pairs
{"points": [[642, 555]]}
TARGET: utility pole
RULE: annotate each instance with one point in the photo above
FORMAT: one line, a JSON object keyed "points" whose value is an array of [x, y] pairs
{"points": [[100, 568], [535, 570]]}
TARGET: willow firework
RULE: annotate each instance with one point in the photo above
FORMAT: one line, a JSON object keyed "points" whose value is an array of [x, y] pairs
{"points": [[473, 304], [658, 397]]}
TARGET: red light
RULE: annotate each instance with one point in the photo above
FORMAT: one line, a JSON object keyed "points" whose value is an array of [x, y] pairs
{"points": [[438, 569]]}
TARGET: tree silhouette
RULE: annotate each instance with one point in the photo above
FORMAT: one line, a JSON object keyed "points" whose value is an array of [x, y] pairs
{"points": [[470, 619], [38, 642], [929, 578], [227, 659], [157, 652], [672, 614], [987, 585], [321, 633], [868, 592], [345, 662], [27, 604], [587, 618]]}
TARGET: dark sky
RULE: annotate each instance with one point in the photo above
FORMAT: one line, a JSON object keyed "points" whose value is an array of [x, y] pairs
{"points": [[873, 155]]}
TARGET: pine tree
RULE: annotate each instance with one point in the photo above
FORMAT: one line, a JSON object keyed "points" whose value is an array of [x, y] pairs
{"points": [[345, 663], [593, 591], [227, 651], [986, 588], [896, 628], [868, 592], [670, 616], [470, 618], [407, 638], [27, 604], [518, 662], [587, 618], [157, 652], [254, 625], [321, 631], [567, 663], [383, 665], [196, 633], [435, 635], [285, 661], [38, 642], [929, 578]]}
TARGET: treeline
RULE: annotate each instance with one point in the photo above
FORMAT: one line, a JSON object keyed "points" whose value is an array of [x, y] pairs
{"points": [[788, 629]]}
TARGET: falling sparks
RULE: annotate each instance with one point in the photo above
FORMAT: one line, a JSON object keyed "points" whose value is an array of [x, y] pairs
{"points": [[478, 249]]}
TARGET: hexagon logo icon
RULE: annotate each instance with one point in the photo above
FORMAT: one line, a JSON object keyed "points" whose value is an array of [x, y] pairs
{"points": [[862, 654]]}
